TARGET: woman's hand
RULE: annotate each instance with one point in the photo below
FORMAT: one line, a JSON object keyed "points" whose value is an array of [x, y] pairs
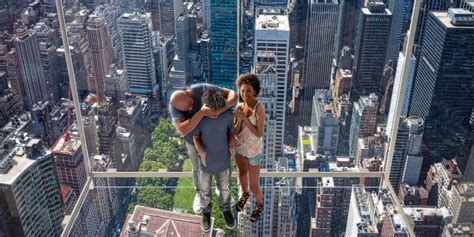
{"points": [[239, 114]]}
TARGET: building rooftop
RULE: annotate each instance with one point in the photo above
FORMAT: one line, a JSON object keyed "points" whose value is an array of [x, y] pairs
{"points": [[19, 160], [398, 224], [419, 213], [376, 9], [147, 221], [67, 148], [366, 210], [272, 22], [456, 18]]}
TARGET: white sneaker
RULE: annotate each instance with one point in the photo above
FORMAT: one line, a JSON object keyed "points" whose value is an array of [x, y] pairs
{"points": [[197, 204], [232, 201]]}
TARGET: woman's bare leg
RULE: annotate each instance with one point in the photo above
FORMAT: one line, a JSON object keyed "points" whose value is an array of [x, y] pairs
{"points": [[242, 164]]}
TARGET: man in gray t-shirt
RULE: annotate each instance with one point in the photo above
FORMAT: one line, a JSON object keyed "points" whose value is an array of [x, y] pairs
{"points": [[215, 142], [186, 111]]}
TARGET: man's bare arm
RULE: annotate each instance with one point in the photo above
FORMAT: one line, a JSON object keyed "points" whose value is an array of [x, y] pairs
{"points": [[184, 127], [231, 97]]}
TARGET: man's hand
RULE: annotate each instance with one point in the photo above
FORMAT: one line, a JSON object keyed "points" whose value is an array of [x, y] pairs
{"points": [[207, 112], [218, 112], [203, 157]]}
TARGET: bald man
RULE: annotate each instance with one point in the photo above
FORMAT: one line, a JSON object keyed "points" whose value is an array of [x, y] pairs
{"points": [[186, 111]]}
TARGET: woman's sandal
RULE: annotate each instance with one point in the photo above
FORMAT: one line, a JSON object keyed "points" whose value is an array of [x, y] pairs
{"points": [[257, 212], [242, 201]]}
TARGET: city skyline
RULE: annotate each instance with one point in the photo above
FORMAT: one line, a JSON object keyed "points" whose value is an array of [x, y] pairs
{"points": [[332, 74]]}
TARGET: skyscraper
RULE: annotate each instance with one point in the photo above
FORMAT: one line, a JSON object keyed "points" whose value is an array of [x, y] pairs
{"points": [[401, 17], [347, 24], [30, 201], [206, 14], [135, 31], [49, 60], [324, 123], [364, 120], [406, 160], [179, 74], [319, 52], [224, 42], [101, 52], [162, 51], [361, 220], [169, 13], [442, 89], [32, 74], [272, 46], [370, 49], [69, 161], [14, 74]]}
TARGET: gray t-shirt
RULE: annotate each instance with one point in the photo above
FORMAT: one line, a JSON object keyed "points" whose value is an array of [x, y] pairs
{"points": [[176, 115], [214, 136]]}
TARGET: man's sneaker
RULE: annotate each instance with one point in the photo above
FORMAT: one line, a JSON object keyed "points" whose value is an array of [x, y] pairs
{"points": [[229, 219], [217, 192], [206, 221], [197, 204]]}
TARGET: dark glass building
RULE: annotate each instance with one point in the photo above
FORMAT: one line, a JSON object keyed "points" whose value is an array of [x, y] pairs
{"points": [[443, 87], [224, 42]]}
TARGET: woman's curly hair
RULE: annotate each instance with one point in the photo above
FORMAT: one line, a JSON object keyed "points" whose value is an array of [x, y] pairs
{"points": [[213, 98], [250, 79]]}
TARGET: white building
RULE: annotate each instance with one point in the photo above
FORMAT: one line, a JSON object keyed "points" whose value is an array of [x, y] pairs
{"points": [[272, 38], [361, 220], [135, 30]]}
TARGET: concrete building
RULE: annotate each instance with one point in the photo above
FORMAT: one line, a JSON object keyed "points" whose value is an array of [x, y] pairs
{"points": [[27, 165], [412, 196], [205, 53], [393, 224], [69, 162], [407, 159], [49, 61], [364, 120], [135, 31], [10, 103], [272, 47], [101, 51], [170, 10], [427, 221], [319, 53], [179, 74], [361, 220], [370, 49], [439, 181], [284, 217], [14, 74], [461, 204], [32, 74], [348, 20], [458, 230], [325, 123], [163, 53], [115, 83]]}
